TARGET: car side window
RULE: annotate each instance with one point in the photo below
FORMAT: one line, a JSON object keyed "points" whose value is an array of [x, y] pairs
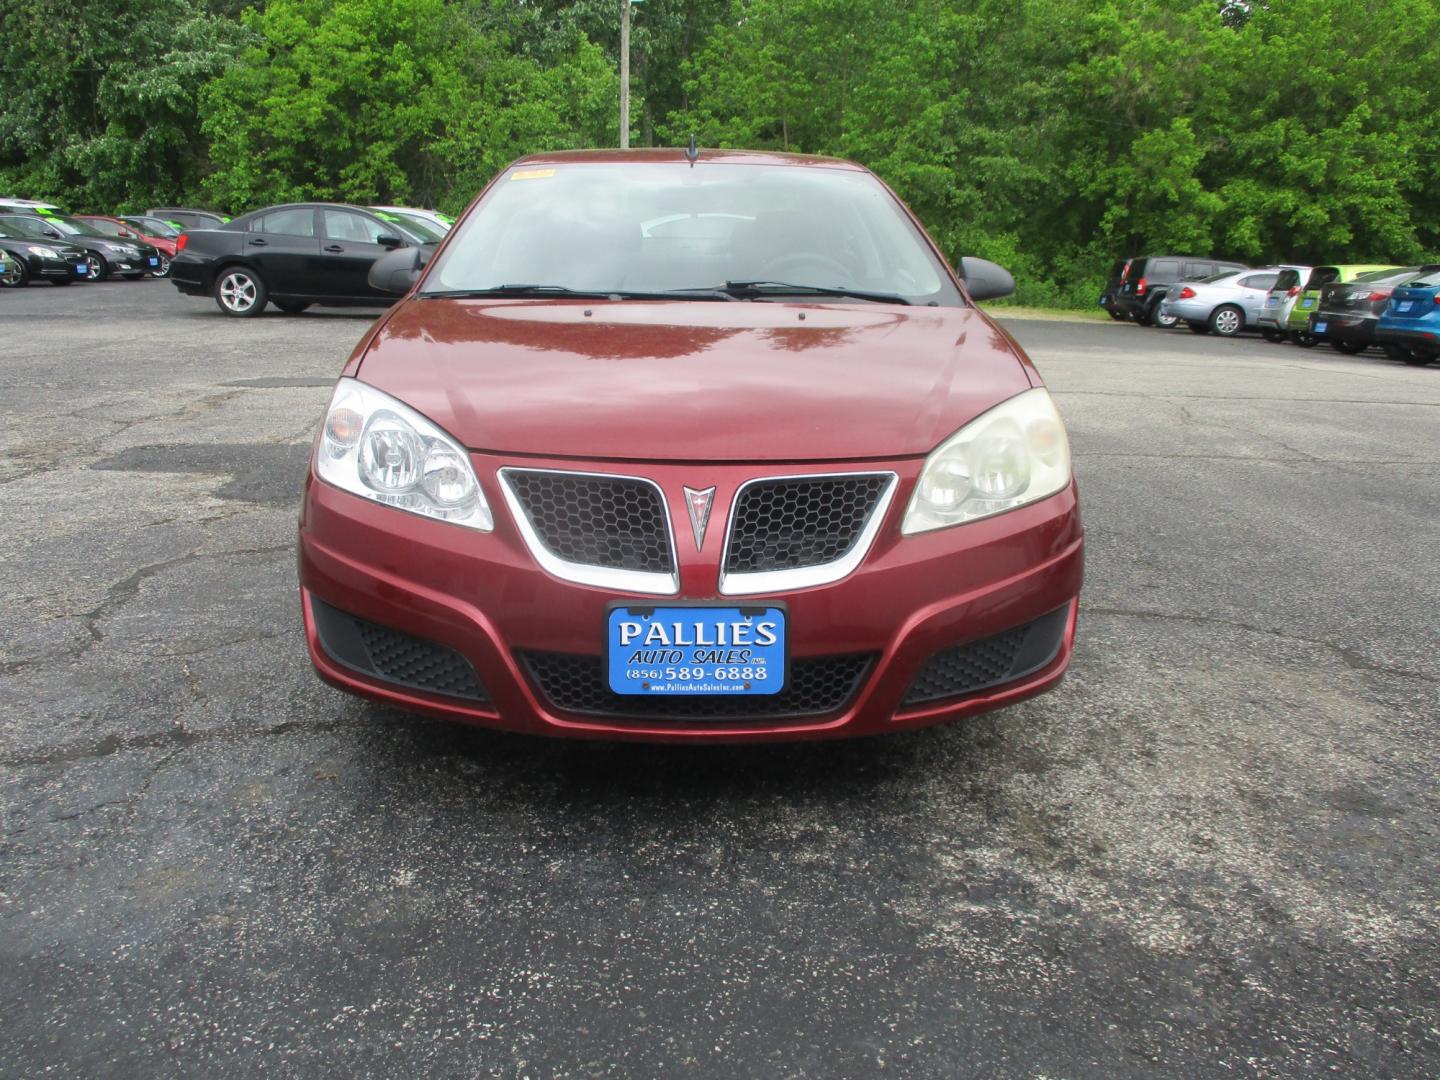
{"points": [[1264, 282], [1199, 270], [1165, 267], [110, 228], [343, 225], [286, 223]]}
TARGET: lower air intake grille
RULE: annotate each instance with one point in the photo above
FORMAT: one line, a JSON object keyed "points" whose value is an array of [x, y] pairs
{"points": [[394, 657], [817, 686], [1001, 658]]}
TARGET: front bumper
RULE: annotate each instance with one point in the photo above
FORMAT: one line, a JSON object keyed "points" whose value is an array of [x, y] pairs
{"points": [[483, 596], [76, 269]]}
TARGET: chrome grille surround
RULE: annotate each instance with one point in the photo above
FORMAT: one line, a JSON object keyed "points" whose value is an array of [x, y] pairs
{"points": [[770, 581], [656, 583]]}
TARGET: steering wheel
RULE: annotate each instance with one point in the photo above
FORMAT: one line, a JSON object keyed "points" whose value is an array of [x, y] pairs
{"points": [[792, 267]]}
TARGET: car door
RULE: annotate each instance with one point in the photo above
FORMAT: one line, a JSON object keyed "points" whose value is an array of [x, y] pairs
{"points": [[349, 247], [1253, 289], [282, 245]]}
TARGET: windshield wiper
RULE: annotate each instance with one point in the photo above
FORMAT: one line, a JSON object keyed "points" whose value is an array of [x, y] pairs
{"points": [[506, 291], [517, 290], [785, 288]]}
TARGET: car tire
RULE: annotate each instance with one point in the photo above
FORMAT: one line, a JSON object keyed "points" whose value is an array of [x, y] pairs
{"points": [[1227, 320], [1197, 327], [163, 270], [1419, 359], [1165, 322], [1275, 337], [1145, 316], [99, 268], [1304, 339], [239, 292], [16, 274], [292, 307], [1398, 352], [1349, 348], [1118, 316]]}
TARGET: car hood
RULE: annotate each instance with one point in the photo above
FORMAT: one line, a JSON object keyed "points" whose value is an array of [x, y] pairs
{"points": [[693, 381]]}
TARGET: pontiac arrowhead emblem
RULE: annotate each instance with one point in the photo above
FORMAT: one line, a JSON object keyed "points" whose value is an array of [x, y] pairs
{"points": [[698, 505]]}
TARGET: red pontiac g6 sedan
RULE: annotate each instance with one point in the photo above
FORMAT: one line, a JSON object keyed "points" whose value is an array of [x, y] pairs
{"points": [[687, 447]]}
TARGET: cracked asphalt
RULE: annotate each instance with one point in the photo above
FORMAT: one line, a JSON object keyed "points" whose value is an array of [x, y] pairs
{"points": [[1211, 851]]}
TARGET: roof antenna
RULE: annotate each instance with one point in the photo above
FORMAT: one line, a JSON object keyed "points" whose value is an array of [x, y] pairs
{"points": [[692, 152]]}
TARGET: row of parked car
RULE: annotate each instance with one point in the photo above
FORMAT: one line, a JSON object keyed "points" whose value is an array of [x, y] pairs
{"points": [[1350, 307], [38, 242]]}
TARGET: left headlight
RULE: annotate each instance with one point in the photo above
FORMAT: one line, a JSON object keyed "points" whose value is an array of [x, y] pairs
{"points": [[1016, 453], [381, 449]]}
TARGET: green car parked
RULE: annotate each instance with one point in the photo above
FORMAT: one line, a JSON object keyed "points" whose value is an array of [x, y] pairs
{"points": [[1297, 327]]}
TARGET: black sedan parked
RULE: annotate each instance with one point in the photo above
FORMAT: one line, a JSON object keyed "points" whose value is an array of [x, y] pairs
{"points": [[1349, 312], [188, 218], [292, 256], [106, 255], [27, 259]]}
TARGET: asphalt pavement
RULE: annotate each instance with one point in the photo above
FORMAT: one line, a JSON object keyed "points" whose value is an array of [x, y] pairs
{"points": [[1212, 851]]}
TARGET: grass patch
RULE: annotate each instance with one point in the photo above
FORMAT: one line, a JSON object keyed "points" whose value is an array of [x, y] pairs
{"points": [[1021, 311]]}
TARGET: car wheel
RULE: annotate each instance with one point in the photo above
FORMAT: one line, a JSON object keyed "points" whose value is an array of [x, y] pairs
{"points": [[1419, 359], [1227, 320], [1164, 321], [1398, 352], [16, 274], [1275, 337], [163, 270], [1118, 316], [99, 268], [240, 292], [1197, 327], [1304, 339], [292, 307], [1144, 317], [1349, 348]]}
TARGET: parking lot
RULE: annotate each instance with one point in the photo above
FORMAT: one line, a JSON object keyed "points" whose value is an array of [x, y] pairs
{"points": [[1211, 851]]}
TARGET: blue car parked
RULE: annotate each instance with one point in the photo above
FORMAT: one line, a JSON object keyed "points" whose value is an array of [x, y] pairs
{"points": [[1409, 327]]}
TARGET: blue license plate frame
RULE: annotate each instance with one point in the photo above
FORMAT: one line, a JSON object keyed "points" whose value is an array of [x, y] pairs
{"points": [[696, 648]]}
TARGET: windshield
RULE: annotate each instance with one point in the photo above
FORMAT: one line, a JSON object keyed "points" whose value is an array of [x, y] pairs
{"points": [[411, 228], [423, 230], [154, 226], [25, 226], [658, 227], [71, 227]]}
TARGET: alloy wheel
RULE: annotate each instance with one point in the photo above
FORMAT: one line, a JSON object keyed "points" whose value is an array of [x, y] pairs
{"points": [[237, 291], [14, 273], [163, 270], [96, 265]]}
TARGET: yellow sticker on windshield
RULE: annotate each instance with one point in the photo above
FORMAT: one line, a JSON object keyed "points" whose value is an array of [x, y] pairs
{"points": [[532, 174]]}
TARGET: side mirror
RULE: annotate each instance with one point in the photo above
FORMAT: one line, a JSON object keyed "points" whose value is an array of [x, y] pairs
{"points": [[388, 241], [984, 279], [48, 231], [395, 271]]}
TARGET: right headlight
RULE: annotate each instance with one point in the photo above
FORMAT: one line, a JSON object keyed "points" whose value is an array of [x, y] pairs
{"points": [[1016, 453], [43, 252], [381, 449]]}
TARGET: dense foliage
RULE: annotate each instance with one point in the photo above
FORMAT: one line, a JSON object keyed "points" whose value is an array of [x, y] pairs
{"points": [[1052, 135]]}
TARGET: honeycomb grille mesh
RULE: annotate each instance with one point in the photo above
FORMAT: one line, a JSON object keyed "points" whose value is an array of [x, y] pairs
{"points": [[415, 662], [816, 686], [1000, 658], [609, 521], [794, 523]]}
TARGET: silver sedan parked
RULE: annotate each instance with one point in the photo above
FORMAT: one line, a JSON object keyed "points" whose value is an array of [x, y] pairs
{"points": [[1224, 304]]}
